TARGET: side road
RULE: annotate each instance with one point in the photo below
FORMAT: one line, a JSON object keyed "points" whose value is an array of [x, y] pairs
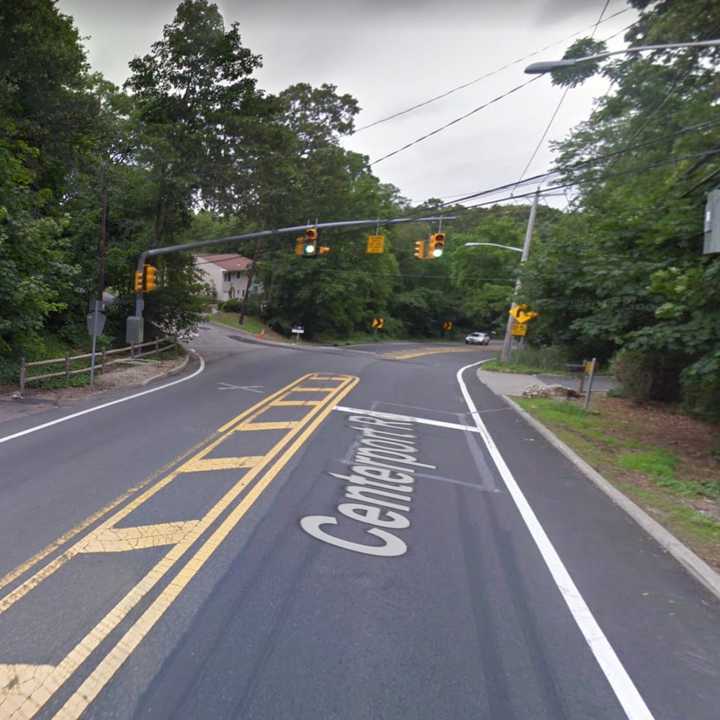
{"points": [[513, 384]]}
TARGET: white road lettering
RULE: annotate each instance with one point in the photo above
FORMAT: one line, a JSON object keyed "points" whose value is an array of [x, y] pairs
{"points": [[383, 473], [392, 547]]}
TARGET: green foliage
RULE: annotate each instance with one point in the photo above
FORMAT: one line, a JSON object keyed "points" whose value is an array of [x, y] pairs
{"points": [[622, 268]]}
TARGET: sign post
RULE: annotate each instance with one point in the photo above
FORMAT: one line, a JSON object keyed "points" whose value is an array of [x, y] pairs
{"points": [[96, 324], [589, 367], [297, 331]]}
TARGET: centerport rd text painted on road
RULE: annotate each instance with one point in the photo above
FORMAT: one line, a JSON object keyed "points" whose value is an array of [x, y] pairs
{"points": [[381, 483]]}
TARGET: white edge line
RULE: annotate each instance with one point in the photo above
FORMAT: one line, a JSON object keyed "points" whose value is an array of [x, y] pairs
{"points": [[95, 408], [622, 685], [406, 418]]}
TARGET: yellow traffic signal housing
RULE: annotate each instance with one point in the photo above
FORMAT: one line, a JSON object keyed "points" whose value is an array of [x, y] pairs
{"points": [[310, 247], [150, 278], [419, 249], [323, 250], [299, 245], [138, 282], [437, 245]]}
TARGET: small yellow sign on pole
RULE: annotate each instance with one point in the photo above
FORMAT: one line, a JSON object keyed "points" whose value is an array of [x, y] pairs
{"points": [[375, 245], [519, 329]]}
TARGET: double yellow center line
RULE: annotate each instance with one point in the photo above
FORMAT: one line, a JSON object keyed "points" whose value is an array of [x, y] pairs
{"points": [[25, 688]]}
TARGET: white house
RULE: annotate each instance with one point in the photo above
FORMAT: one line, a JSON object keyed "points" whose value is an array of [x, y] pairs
{"points": [[227, 274]]}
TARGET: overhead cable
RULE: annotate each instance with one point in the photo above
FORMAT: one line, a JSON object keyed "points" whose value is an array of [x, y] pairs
{"points": [[482, 77]]}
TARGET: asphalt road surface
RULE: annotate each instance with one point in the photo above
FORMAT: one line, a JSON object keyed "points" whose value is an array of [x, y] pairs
{"points": [[330, 533]]}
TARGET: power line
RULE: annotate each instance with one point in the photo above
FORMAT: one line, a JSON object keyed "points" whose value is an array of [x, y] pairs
{"points": [[457, 120], [574, 166], [634, 171], [462, 117], [481, 77]]}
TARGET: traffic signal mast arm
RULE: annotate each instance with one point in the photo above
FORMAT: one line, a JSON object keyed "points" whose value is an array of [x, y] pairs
{"points": [[139, 302]]}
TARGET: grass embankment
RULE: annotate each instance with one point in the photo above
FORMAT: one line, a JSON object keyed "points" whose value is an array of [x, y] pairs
{"points": [[251, 325], [532, 361], [666, 462]]}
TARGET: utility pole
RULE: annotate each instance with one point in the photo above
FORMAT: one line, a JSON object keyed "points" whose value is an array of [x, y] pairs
{"points": [[507, 343]]}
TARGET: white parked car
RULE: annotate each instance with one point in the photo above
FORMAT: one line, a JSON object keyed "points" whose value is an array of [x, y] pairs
{"points": [[477, 338]]}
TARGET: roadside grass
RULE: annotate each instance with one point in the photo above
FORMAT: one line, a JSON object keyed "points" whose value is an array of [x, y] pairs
{"points": [[681, 489], [512, 367], [251, 325], [231, 319]]}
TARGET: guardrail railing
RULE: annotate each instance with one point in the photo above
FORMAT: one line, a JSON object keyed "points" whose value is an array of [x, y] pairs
{"points": [[133, 351]]}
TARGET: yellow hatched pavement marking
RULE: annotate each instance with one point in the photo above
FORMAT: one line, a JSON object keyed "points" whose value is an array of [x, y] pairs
{"points": [[46, 571], [75, 531], [94, 683], [413, 354], [296, 403], [244, 427], [19, 682], [138, 537], [223, 463], [54, 677]]}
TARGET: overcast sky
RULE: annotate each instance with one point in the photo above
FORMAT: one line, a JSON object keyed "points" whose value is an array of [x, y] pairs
{"points": [[393, 54]]}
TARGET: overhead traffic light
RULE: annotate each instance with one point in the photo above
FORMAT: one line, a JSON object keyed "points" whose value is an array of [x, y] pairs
{"points": [[150, 278], [437, 245], [300, 245], [138, 282], [419, 249], [310, 248]]}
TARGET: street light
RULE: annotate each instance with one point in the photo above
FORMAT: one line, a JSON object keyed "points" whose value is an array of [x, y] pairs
{"points": [[545, 66]]}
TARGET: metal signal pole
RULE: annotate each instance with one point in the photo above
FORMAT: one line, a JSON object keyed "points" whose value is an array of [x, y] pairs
{"points": [[507, 342]]}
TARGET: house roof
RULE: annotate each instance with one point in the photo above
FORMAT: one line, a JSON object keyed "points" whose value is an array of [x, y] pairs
{"points": [[227, 261]]}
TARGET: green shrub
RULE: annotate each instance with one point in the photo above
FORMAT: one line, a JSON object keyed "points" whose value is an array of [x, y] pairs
{"points": [[232, 305], [634, 371], [649, 375]]}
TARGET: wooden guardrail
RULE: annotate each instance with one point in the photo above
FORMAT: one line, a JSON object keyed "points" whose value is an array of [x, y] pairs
{"points": [[133, 352]]}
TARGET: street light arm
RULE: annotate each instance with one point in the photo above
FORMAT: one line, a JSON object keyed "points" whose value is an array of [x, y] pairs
{"points": [[489, 244], [539, 68]]}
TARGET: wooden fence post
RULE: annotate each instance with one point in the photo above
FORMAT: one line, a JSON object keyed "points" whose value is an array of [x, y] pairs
{"points": [[67, 369], [102, 362]]}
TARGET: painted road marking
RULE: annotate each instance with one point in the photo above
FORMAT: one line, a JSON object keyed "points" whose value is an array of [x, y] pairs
{"points": [[380, 482], [75, 531], [409, 354], [248, 388], [95, 408], [225, 463], [182, 536], [621, 683], [406, 418]]}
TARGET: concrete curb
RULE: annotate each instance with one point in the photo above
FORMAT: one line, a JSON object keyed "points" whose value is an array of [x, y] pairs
{"points": [[697, 567], [172, 371]]}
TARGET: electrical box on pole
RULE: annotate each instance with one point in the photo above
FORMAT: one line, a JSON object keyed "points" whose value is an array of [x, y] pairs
{"points": [[712, 223]]}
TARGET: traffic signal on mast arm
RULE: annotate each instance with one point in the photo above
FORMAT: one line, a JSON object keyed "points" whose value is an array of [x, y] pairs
{"points": [[311, 247], [437, 245], [138, 282], [150, 278], [419, 249]]}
